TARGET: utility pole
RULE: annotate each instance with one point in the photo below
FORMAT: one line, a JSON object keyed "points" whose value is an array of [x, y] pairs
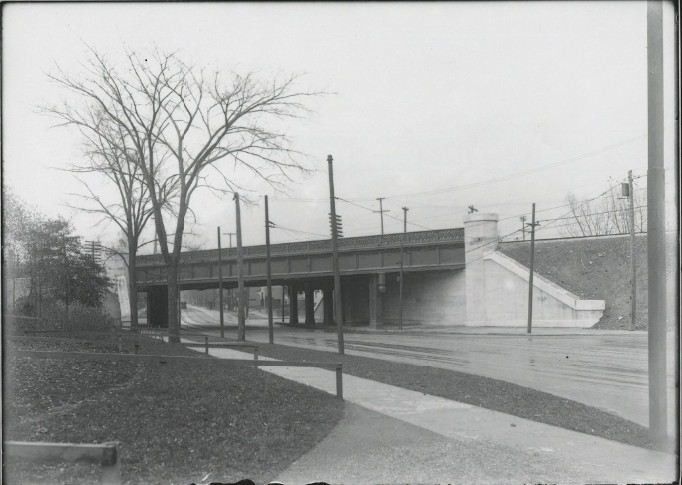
{"points": [[400, 295], [530, 276], [282, 302], [381, 213], [523, 226], [229, 234], [220, 286], [230, 291], [14, 282], [241, 320], [658, 414], [633, 263], [271, 332], [335, 258]]}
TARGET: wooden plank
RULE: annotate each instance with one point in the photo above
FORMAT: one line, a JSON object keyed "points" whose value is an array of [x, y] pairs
{"points": [[105, 454]]}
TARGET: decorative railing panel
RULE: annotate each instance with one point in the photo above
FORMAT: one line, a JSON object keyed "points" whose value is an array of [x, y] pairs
{"points": [[308, 247], [422, 250]]}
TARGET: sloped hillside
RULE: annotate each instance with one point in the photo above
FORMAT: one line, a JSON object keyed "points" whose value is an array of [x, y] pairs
{"points": [[599, 268]]}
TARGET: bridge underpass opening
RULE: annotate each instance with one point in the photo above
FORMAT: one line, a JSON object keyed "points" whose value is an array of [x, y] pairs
{"points": [[369, 268]]}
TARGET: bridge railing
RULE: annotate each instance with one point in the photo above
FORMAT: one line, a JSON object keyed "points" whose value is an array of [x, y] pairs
{"points": [[321, 245]]}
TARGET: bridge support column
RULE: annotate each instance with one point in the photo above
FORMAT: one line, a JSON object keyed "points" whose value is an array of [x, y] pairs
{"points": [[309, 305], [376, 307], [157, 306], [480, 239], [328, 302], [293, 303]]}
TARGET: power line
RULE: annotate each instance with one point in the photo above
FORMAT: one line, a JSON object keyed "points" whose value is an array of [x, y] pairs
{"points": [[523, 172], [277, 226], [372, 210], [589, 214]]}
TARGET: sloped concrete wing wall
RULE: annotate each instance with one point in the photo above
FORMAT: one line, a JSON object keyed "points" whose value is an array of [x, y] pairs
{"points": [[506, 292], [497, 286]]}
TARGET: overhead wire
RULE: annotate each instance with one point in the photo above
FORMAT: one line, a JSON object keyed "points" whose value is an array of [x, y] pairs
{"points": [[389, 216]]}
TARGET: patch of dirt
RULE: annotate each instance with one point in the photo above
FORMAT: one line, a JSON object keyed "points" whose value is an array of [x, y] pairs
{"points": [[598, 268]]}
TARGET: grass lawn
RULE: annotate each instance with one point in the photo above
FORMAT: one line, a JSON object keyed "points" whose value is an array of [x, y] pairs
{"points": [[176, 423]]}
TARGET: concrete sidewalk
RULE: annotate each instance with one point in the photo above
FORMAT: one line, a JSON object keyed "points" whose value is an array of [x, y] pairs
{"points": [[391, 435]]}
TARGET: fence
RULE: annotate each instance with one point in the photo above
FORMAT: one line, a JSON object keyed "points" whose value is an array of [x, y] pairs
{"points": [[105, 454], [121, 337], [163, 359]]}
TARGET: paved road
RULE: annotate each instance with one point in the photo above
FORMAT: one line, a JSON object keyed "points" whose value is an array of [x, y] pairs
{"points": [[199, 317], [603, 370]]}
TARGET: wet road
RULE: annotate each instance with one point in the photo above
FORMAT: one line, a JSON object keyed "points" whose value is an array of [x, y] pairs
{"points": [[601, 370]]}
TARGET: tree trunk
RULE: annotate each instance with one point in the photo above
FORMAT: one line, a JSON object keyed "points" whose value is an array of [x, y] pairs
{"points": [[132, 288], [173, 291]]}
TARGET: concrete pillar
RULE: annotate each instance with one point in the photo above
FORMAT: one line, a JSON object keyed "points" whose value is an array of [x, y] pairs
{"points": [[481, 237], [309, 304], [157, 306], [293, 303], [328, 302], [377, 285]]}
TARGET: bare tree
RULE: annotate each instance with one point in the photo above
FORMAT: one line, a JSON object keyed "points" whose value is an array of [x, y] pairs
{"points": [[184, 127], [607, 214], [109, 153]]}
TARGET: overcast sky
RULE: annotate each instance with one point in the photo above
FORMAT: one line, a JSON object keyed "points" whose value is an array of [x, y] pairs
{"points": [[433, 106]]}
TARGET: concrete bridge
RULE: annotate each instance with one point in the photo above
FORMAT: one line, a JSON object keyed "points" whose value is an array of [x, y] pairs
{"points": [[369, 268], [451, 277]]}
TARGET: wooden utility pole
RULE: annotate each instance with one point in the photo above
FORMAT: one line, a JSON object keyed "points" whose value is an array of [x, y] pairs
{"points": [[241, 319], [220, 286], [284, 289], [633, 262], [338, 314], [381, 213], [229, 234], [658, 414], [530, 276], [271, 332], [400, 294]]}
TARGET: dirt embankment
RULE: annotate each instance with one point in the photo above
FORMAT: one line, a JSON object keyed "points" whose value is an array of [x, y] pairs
{"points": [[599, 268]]}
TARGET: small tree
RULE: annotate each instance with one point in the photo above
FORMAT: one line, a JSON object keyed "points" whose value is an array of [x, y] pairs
{"points": [[50, 256], [607, 214], [182, 125]]}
